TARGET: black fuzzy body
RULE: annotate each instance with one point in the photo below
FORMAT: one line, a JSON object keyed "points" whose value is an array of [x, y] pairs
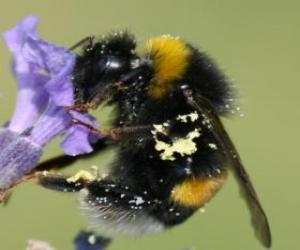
{"points": [[139, 170]]}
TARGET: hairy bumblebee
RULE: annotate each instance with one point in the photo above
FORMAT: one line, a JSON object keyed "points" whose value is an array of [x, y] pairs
{"points": [[173, 151]]}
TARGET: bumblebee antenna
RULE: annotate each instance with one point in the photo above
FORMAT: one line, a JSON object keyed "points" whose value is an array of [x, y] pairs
{"points": [[89, 39]]}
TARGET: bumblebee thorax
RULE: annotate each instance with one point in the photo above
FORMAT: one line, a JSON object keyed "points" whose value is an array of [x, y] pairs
{"points": [[170, 57]]}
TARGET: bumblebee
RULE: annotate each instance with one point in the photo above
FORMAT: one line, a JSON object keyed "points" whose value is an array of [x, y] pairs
{"points": [[173, 151]]}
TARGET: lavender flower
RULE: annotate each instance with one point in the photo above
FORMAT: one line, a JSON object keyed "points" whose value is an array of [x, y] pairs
{"points": [[43, 72]]}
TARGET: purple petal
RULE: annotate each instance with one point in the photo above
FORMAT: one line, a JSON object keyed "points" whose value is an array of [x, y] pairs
{"points": [[32, 98], [76, 141], [60, 87], [44, 73], [53, 122], [17, 36], [42, 70], [30, 102], [58, 63], [54, 56], [78, 138]]}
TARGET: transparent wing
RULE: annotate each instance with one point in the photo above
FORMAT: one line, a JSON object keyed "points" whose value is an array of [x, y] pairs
{"points": [[259, 219]]}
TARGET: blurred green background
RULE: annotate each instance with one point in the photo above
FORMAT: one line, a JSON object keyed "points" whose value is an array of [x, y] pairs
{"points": [[256, 43]]}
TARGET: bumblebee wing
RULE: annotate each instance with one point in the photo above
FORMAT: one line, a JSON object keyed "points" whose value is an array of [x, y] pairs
{"points": [[259, 219]]}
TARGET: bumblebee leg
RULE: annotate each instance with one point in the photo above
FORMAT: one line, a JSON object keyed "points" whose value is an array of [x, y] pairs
{"points": [[5, 194], [110, 205], [63, 161], [116, 133], [82, 107], [117, 208], [111, 191], [56, 163], [60, 183], [90, 127]]}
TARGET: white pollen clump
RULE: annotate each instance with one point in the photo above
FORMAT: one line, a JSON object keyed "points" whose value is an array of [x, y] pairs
{"points": [[158, 128], [139, 201], [202, 210], [188, 171], [213, 146], [45, 173], [167, 36], [92, 239], [193, 116], [82, 174], [182, 146], [218, 171]]}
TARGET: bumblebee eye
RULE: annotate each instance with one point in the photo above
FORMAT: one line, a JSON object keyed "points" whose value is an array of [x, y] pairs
{"points": [[110, 67], [113, 64], [100, 66]]}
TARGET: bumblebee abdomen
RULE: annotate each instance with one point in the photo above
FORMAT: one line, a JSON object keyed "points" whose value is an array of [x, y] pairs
{"points": [[196, 192]]}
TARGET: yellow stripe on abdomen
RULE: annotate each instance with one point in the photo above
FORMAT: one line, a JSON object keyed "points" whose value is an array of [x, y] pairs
{"points": [[196, 192], [170, 57]]}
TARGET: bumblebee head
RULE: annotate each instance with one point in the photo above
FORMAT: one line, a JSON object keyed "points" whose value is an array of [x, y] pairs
{"points": [[113, 56], [100, 68]]}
